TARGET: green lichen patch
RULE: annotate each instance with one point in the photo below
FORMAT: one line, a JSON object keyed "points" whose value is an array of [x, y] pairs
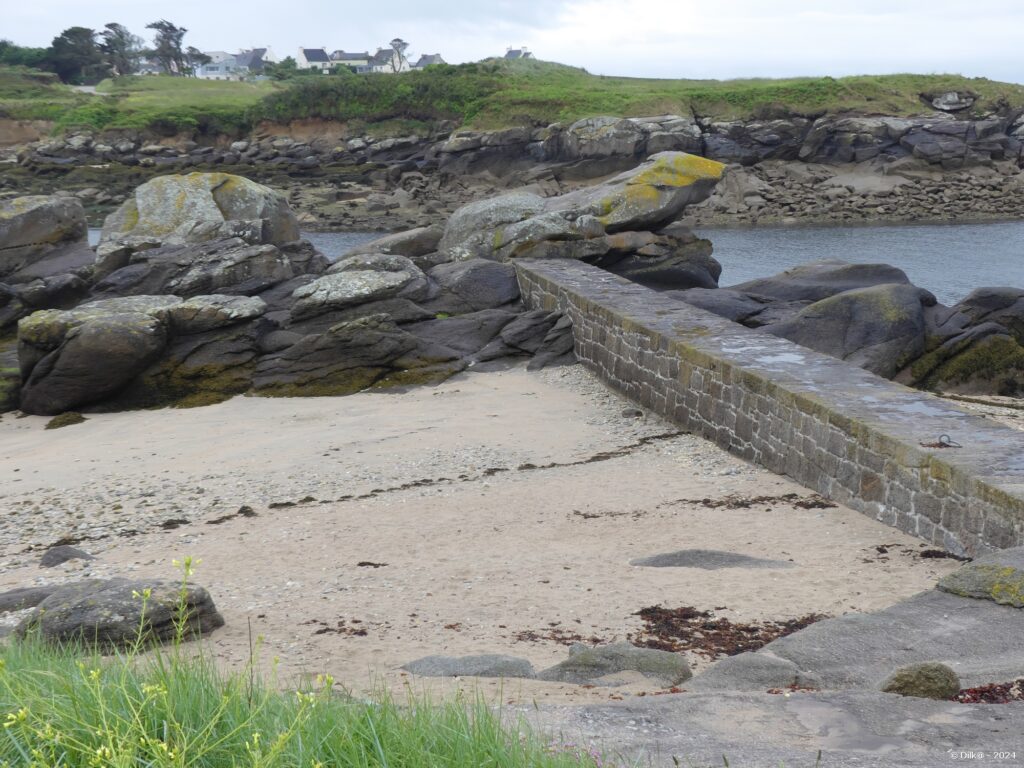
{"points": [[65, 420], [1003, 584], [997, 361]]}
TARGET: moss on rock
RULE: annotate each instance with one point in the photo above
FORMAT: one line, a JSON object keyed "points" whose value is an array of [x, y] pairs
{"points": [[65, 420]]}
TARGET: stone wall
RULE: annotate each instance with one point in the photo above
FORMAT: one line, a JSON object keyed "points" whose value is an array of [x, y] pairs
{"points": [[833, 427]]}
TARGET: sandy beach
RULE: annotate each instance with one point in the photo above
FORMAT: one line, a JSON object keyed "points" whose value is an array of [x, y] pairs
{"points": [[495, 513]]}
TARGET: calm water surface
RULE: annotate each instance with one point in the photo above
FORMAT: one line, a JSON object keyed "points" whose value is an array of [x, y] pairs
{"points": [[949, 260]]}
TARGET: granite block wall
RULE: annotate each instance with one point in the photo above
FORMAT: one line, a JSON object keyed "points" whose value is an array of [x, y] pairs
{"points": [[835, 428]]}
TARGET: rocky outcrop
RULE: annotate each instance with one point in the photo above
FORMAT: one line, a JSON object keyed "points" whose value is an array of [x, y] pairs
{"points": [[161, 320], [90, 353], [36, 228], [624, 225], [397, 183], [44, 257]]}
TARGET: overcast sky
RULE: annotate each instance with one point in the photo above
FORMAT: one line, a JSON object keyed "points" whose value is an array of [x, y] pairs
{"points": [[643, 38]]}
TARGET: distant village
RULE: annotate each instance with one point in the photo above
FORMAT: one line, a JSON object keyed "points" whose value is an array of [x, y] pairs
{"points": [[250, 64]]}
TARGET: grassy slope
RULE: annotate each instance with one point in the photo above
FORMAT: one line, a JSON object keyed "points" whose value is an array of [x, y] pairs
{"points": [[28, 94], [487, 95], [550, 92], [182, 103]]}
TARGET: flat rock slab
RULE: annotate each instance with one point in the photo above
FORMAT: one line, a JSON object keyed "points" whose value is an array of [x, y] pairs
{"points": [[851, 728], [485, 665], [998, 577], [978, 639], [708, 559]]}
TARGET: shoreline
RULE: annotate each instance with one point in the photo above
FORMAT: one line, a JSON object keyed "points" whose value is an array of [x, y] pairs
{"points": [[552, 546]]}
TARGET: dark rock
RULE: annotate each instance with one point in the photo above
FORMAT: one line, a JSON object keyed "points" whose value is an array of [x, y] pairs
{"points": [[61, 554], [486, 665], [37, 226], [1004, 306], [726, 302], [344, 359], [24, 597], [469, 286], [707, 559], [557, 347], [819, 280], [524, 334], [111, 613], [86, 360], [880, 328], [223, 266], [464, 334], [412, 244], [605, 665], [924, 680]]}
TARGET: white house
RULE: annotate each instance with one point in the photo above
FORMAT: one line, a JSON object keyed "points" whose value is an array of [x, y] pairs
{"points": [[314, 58], [518, 53]]}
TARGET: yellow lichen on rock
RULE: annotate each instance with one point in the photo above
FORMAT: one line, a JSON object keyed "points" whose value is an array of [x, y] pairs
{"points": [[677, 169]]}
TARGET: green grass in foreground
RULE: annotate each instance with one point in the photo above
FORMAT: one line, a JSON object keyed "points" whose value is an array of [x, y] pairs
{"points": [[168, 709], [171, 708]]}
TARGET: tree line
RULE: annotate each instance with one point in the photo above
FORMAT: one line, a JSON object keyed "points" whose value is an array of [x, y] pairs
{"points": [[84, 56]]}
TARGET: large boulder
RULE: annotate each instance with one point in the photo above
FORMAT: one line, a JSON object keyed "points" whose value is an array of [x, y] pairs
{"points": [[469, 286], [68, 363], [819, 280], [40, 228], [90, 353], [647, 197], [980, 359], [881, 328], [116, 613], [198, 207]]}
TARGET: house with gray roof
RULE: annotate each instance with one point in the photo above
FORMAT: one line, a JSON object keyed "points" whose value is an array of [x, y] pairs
{"points": [[518, 53], [427, 59], [314, 58], [357, 62]]}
